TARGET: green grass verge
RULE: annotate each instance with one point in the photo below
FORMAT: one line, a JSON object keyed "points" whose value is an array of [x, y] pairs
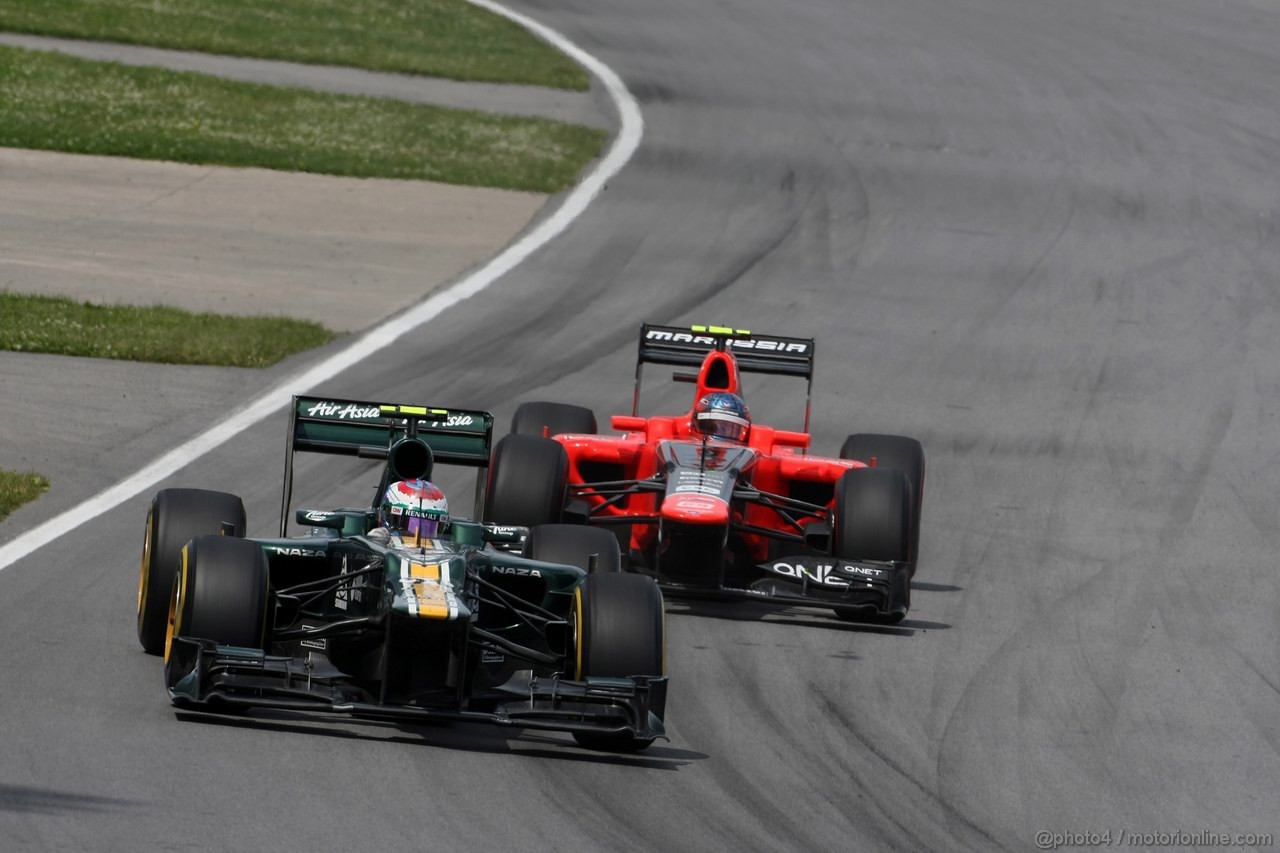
{"points": [[59, 103], [17, 489], [444, 38], [167, 335]]}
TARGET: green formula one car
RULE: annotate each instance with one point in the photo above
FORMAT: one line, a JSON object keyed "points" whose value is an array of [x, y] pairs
{"points": [[528, 628]]}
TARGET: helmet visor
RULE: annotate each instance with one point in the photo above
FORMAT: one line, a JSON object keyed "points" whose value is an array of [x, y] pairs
{"points": [[717, 424], [423, 526], [414, 523]]}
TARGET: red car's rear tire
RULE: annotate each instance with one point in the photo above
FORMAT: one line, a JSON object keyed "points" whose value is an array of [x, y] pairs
{"points": [[526, 482], [554, 418]]}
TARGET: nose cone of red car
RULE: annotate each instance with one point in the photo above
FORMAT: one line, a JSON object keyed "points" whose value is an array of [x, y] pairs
{"points": [[695, 509]]}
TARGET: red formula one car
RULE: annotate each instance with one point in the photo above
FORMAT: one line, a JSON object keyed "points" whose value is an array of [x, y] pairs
{"points": [[710, 504]]}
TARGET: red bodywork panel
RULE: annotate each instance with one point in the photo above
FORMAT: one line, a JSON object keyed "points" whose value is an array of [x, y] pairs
{"points": [[782, 466]]}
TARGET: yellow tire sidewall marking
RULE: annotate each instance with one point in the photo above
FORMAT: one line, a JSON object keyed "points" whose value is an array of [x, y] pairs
{"points": [[578, 631], [144, 577], [176, 604]]}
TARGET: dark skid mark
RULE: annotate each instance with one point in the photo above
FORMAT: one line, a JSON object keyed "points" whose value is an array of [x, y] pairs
{"points": [[648, 92], [924, 586], [24, 798]]}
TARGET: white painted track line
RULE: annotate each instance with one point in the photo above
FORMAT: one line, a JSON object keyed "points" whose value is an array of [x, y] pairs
{"points": [[620, 152]]}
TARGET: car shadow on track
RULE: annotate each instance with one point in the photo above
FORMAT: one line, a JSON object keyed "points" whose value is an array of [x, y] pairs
{"points": [[751, 611], [462, 737]]}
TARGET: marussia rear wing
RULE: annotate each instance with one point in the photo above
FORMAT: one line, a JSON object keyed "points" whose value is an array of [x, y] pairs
{"points": [[688, 345], [358, 428]]}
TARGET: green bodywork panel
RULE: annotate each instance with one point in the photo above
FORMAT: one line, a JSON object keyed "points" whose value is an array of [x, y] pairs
{"points": [[339, 542]]}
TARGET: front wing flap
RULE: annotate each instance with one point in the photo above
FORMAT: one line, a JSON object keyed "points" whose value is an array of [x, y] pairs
{"points": [[202, 675], [879, 591]]}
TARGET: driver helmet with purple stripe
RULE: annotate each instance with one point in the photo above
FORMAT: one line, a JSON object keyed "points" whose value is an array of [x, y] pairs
{"points": [[414, 510]]}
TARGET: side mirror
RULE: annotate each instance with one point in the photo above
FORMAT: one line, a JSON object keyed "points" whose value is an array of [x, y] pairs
{"points": [[504, 534], [628, 423], [467, 533], [320, 518]]}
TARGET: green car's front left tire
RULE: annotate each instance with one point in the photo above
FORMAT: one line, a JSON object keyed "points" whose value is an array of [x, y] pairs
{"points": [[221, 593], [175, 516]]}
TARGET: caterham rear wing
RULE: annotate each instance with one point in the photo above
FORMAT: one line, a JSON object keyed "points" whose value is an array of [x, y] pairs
{"points": [[365, 429]]}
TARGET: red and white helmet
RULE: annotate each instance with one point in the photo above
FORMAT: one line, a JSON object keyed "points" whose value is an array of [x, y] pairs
{"points": [[414, 510]]}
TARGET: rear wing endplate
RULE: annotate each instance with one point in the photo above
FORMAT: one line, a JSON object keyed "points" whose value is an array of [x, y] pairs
{"points": [[365, 429]]}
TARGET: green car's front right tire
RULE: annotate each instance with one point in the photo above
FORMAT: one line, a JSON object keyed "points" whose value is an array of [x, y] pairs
{"points": [[575, 545], [621, 632]]}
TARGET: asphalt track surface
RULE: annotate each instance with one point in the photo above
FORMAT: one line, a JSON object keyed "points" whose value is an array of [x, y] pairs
{"points": [[1039, 236]]}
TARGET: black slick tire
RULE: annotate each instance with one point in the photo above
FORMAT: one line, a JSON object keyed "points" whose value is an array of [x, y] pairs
{"points": [[897, 452], [872, 515], [526, 481], [540, 418], [221, 593], [175, 516], [575, 545], [873, 522], [620, 633]]}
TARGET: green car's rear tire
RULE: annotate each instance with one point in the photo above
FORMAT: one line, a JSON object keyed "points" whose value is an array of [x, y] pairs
{"points": [[175, 516], [526, 481], [574, 545], [554, 418], [621, 632]]}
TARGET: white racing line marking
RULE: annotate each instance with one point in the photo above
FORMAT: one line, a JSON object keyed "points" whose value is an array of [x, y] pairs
{"points": [[624, 146]]}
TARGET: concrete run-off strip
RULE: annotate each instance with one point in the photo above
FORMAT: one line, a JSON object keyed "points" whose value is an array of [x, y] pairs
{"points": [[344, 252]]}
